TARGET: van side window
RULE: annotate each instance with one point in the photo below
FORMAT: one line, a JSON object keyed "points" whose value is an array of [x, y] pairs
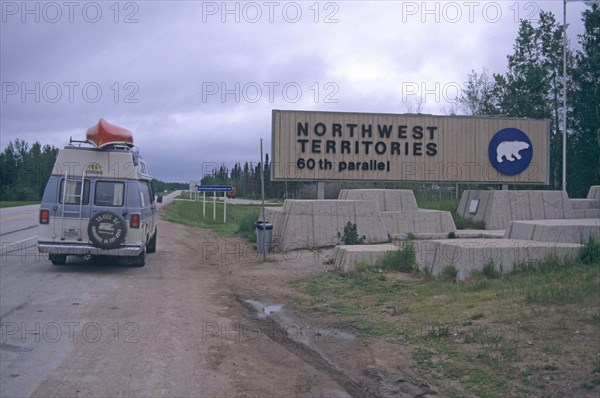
{"points": [[109, 193], [145, 194], [71, 191]]}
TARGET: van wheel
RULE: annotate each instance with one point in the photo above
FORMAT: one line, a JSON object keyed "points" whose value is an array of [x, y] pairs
{"points": [[58, 259], [151, 246], [140, 260]]}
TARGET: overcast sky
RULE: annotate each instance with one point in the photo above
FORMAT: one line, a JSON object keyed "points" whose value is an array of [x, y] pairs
{"points": [[196, 81]]}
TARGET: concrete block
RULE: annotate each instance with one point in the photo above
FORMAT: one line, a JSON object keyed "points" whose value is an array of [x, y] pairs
{"points": [[386, 199], [555, 231], [275, 216], [483, 197], [316, 223], [535, 200], [468, 255], [502, 207], [519, 205], [498, 214], [420, 223], [346, 257], [594, 192], [585, 204], [586, 213]]}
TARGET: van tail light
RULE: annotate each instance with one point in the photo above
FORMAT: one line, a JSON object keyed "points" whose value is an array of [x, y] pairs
{"points": [[134, 222], [44, 216]]}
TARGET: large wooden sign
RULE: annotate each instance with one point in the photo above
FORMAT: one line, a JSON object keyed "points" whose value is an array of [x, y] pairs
{"points": [[406, 147]]}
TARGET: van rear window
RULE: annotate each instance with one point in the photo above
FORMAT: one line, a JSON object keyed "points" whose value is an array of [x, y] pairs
{"points": [[109, 193], [70, 193]]}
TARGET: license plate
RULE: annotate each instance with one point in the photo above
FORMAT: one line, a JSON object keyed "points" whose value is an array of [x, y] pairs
{"points": [[71, 233]]}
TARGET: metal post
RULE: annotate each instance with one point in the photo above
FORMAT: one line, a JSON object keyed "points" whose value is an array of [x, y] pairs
{"points": [[262, 190], [320, 189], [224, 207], [203, 204], [214, 206], [564, 141]]}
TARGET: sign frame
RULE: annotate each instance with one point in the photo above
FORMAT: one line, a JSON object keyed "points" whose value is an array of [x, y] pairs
{"points": [[470, 135]]}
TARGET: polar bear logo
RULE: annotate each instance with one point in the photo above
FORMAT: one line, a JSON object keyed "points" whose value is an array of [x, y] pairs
{"points": [[510, 150]]}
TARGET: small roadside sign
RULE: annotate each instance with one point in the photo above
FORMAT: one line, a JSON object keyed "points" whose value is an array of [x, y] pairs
{"points": [[214, 188]]}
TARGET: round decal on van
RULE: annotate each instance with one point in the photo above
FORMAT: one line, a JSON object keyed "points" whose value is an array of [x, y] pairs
{"points": [[510, 151], [107, 230]]}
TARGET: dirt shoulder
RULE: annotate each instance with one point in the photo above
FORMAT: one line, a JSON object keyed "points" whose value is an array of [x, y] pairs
{"points": [[260, 293]]}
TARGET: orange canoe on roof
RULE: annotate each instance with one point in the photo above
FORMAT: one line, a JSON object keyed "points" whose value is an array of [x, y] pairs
{"points": [[104, 133]]}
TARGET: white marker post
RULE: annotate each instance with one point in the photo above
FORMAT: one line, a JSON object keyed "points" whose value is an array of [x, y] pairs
{"points": [[224, 207], [214, 205]]}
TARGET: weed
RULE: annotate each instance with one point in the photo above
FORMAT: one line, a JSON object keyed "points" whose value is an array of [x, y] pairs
{"points": [[452, 235], [449, 273], [246, 226], [403, 259], [411, 236], [490, 271], [590, 252], [350, 236]]}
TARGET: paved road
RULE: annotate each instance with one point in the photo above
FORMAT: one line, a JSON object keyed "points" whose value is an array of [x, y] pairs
{"points": [[18, 228], [179, 327], [99, 329]]}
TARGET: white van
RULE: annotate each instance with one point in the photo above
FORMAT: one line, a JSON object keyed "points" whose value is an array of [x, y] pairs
{"points": [[98, 201]]}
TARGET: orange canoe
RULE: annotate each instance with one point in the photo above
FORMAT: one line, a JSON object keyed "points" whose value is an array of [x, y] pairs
{"points": [[104, 133]]}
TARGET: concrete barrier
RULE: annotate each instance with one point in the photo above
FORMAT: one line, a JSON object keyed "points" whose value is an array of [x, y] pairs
{"points": [[347, 256], [594, 192], [563, 231], [303, 224], [399, 224], [386, 199], [498, 208], [468, 255], [401, 214]]}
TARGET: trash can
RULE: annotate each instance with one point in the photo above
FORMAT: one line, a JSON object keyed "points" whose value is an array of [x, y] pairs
{"points": [[264, 237]]}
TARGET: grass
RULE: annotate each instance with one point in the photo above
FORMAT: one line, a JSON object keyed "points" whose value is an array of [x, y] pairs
{"points": [[240, 218], [5, 203], [403, 259], [491, 335]]}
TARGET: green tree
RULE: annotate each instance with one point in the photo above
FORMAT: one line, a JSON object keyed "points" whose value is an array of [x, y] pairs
{"points": [[583, 164], [25, 170], [479, 96], [532, 87]]}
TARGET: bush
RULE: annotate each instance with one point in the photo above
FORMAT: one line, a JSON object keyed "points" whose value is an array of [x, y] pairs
{"points": [[246, 226], [350, 236], [590, 252], [404, 259]]}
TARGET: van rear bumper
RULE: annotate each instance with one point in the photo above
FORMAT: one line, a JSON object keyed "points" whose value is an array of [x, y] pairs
{"points": [[81, 249]]}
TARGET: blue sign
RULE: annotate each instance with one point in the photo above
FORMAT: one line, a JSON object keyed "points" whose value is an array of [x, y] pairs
{"points": [[214, 188], [510, 151]]}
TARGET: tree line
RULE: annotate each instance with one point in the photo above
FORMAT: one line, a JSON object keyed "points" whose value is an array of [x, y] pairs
{"points": [[24, 171], [247, 180], [533, 88]]}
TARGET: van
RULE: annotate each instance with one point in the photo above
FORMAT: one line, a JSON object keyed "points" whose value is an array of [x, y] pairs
{"points": [[98, 200]]}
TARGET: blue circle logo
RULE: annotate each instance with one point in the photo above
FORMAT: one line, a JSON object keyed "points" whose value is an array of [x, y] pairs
{"points": [[510, 151]]}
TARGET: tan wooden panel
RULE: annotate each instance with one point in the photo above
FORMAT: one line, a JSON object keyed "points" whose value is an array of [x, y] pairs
{"points": [[419, 147]]}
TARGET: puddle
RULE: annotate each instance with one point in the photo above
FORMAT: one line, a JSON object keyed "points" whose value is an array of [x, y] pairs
{"points": [[272, 309], [263, 310]]}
